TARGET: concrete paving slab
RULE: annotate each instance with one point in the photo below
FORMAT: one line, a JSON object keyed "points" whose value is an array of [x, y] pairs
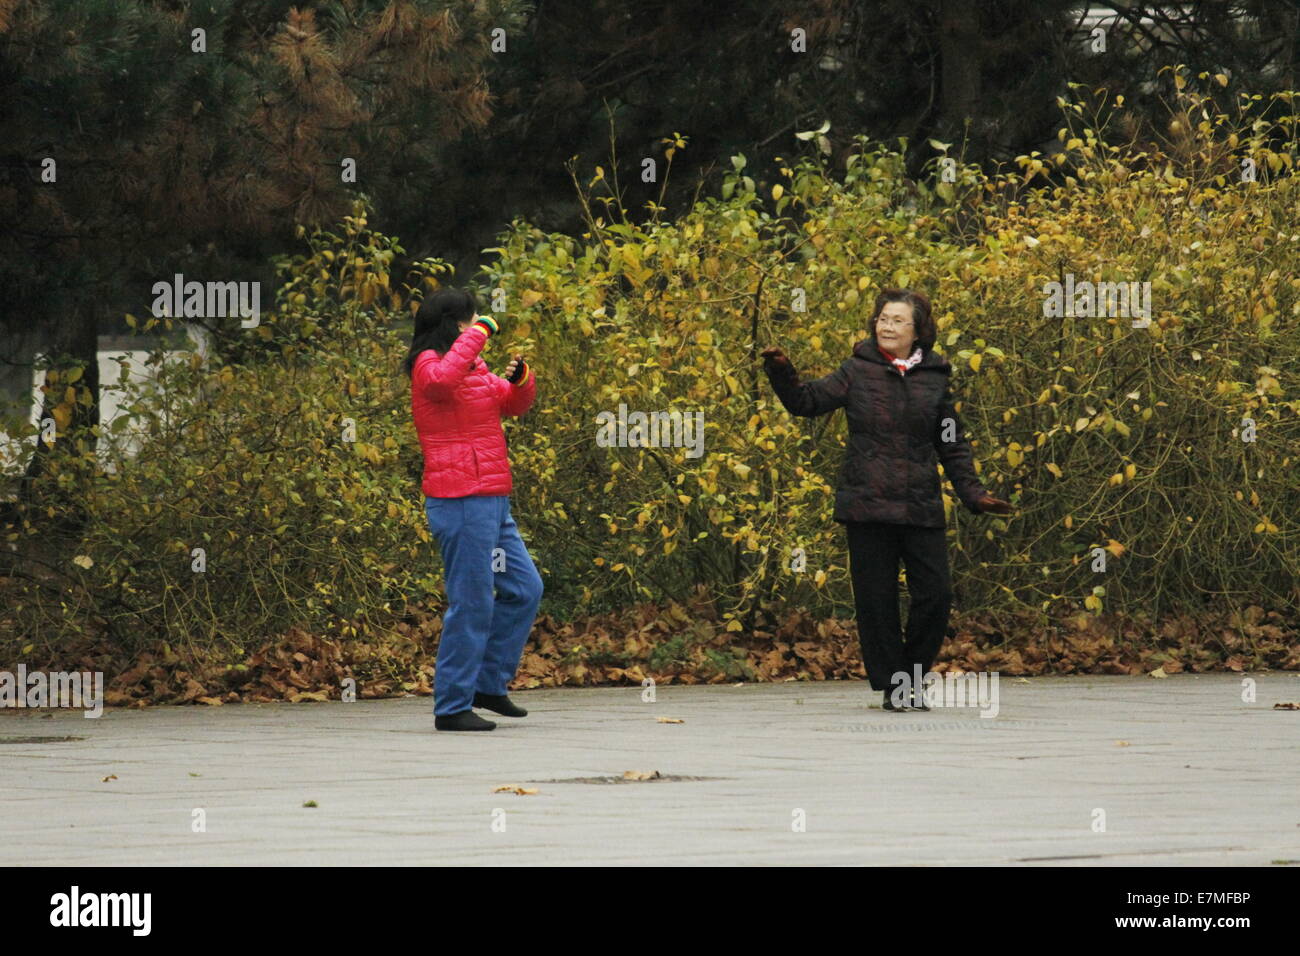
{"points": [[1184, 771]]}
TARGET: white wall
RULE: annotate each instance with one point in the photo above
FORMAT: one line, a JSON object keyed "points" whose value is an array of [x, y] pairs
{"points": [[15, 453]]}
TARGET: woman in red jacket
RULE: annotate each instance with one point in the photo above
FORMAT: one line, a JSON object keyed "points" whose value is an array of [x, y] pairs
{"points": [[457, 406]]}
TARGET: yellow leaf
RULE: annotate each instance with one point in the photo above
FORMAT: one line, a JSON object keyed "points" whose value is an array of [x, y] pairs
{"points": [[1054, 468], [975, 363]]}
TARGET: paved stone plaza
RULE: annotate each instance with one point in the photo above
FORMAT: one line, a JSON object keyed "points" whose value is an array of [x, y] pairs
{"points": [[1184, 772]]}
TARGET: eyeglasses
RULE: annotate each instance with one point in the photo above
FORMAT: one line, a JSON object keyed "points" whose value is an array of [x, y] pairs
{"points": [[894, 323]]}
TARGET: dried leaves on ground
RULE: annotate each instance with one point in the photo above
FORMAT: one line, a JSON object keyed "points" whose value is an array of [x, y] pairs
{"points": [[689, 645]]}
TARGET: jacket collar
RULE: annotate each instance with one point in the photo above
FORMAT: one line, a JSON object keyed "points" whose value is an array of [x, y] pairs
{"points": [[869, 350]]}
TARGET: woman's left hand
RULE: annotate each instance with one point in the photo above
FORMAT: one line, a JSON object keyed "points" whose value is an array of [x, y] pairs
{"points": [[997, 506]]}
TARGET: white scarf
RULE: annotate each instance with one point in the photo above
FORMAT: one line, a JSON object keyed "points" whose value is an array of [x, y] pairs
{"points": [[904, 364]]}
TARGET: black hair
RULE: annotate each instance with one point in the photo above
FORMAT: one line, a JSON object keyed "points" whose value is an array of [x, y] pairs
{"points": [[437, 322]]}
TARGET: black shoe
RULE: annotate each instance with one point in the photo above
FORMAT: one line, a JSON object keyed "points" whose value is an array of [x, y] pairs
{"points": [[465, 720], [887, 704], [499, 704], [918, 703]]}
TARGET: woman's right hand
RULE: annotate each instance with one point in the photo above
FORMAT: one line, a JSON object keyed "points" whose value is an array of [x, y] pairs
{"points": [[991, 505], [775, 356]]}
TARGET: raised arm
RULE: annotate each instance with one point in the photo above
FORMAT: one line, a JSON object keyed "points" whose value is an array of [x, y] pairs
{"points": [[805, 398], [436, 378]]}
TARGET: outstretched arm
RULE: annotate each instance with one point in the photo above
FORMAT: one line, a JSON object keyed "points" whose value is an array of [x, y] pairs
{"points": [[805, 398]]}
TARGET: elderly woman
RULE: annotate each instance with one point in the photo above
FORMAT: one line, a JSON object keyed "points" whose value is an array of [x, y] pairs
{"points": [[901, 424]]}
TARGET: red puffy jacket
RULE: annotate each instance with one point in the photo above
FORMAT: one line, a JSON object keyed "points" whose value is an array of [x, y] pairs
{"points": [[457, 406]]}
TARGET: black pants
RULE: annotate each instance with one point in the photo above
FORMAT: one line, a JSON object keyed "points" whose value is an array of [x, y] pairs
{"points": [[874, 553]]}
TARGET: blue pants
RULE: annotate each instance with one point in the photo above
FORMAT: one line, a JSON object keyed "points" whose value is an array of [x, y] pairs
{"points": [[482, 636]]}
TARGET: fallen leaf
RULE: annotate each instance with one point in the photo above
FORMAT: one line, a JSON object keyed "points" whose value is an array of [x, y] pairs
{"points": [[641, 774], [509, 788], [1158, 672], [670, 720], [1287, 705], [1122, 743], [111, 776]]}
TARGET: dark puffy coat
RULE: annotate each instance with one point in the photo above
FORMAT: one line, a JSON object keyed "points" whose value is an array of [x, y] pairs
{"points": [[896, 432]]}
